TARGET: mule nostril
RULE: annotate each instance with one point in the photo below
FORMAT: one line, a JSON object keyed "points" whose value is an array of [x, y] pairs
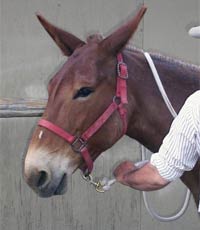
{"points": [[43, 179]]}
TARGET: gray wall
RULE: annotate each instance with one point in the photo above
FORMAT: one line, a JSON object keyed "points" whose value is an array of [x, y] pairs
{"points": [[166, 28], [28, 59]]}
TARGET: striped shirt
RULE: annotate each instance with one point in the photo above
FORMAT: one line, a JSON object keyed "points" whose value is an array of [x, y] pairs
{"points": [[180, 149]]}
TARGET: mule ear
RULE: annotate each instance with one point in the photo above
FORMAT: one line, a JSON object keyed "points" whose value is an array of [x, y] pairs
{"points": [[66, 41], [118, 39]]}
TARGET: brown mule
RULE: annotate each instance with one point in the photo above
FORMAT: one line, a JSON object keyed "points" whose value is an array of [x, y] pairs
{"points": [[82, 90]]}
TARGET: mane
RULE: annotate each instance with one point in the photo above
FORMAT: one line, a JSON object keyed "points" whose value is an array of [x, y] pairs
{"points": [[176, 62], [96, 37], [170, 60]]}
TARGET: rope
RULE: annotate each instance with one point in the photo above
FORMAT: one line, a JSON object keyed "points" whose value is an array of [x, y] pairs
{"points": [[159, 84], [174, 114]]}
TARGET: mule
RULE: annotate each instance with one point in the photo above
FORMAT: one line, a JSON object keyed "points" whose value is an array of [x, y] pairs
{"points": [[84, 88]]}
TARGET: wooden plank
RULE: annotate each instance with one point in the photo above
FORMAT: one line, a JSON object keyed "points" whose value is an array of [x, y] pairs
{"points": [[19, 107]]}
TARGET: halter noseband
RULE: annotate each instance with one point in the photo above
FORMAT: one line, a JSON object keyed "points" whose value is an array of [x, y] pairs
{"points": [[79, 143]]}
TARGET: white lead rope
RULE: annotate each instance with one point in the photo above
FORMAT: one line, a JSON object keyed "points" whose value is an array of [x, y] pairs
{"points": [[159, 84], [174, 114]]}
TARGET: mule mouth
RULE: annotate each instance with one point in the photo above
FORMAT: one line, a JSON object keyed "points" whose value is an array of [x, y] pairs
{"points": [[61, 188], [47, 171], [53, 188]]}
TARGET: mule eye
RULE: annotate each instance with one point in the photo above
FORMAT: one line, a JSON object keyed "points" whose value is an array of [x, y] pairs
{"points": [[83, 92]]}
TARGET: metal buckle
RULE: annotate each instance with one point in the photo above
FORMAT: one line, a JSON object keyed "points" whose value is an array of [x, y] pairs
{"points": [[78, 144], [119, 64]]}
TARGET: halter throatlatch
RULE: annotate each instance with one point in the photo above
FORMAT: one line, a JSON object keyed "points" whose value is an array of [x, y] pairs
{"points": [[79, 143]]}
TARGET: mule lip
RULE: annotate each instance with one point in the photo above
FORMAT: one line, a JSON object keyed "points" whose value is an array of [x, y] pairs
{"points": [[61, 188], [54, 188]]}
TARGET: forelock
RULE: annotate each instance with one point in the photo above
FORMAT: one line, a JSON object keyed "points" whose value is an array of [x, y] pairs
{"points": [[96, 38]]}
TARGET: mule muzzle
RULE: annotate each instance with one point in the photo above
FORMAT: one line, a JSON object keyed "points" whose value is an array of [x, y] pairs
{"points": [[45, 182]]}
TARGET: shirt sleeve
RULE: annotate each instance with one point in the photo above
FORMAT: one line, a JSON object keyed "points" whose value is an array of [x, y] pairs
{"points": [[178, 151]]}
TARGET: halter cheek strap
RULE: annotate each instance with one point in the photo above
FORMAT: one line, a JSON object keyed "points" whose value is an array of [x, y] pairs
{"points": [[79, 144]]}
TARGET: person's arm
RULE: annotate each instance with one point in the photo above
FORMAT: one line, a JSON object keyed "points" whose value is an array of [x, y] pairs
{"points": [[146, 178], [177, 153]]}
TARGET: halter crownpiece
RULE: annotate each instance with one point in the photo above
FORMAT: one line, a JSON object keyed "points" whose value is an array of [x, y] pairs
{"points": [[79, 143]]}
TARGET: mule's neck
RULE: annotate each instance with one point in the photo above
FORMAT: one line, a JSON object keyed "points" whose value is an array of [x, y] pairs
{"points": [[148, 117]]}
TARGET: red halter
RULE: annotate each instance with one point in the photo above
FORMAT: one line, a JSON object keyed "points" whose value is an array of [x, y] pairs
{"points": [[79, 143]]}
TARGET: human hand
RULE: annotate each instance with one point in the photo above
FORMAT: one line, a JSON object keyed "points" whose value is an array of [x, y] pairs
{"points": [[122, 169]]}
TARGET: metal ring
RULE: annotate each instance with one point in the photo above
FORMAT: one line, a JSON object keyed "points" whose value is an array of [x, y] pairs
{"points": [[117, 100], [87, 177]]}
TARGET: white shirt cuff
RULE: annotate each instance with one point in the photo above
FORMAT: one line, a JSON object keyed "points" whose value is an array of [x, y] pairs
{"points": [[166, 171]]}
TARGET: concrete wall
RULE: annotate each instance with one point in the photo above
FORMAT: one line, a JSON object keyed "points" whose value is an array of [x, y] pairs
{"points": [[28, 59], [166, 28]]}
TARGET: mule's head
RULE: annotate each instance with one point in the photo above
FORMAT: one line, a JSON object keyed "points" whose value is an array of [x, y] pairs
{"points": [[78, 94]]}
